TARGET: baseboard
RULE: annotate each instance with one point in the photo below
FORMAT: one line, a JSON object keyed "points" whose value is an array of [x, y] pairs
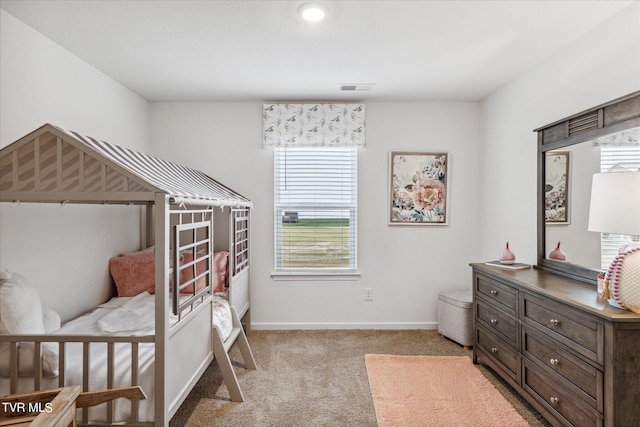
{"points": [[342, 325]]}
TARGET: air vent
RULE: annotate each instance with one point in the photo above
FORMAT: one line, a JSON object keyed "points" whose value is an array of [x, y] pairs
{"points": [[356, 87], [583, 123]]}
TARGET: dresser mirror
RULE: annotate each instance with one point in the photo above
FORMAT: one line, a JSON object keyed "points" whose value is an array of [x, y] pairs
{"points": [[582, 145]]}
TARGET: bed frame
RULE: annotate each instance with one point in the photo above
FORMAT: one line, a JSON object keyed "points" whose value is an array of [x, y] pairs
{"points": [[179, 202]]}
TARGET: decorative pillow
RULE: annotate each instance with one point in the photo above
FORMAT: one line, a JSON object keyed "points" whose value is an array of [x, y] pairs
{"points": [[4, 275], [187, 273], [221, 267], [51, 320], [50, 354], [20, 307], [21, 313], [134, 272]]}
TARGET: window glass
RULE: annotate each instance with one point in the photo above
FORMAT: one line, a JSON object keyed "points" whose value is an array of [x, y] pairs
{"points": [[315, 209]]}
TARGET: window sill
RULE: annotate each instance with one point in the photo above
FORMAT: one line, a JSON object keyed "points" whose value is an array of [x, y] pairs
{"points": [[316, 275]]}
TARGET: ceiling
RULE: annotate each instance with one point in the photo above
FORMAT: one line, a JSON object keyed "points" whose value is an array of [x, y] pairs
{"points": [[261, 50]]}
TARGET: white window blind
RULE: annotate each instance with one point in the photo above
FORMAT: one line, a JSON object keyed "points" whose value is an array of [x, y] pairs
{"points": [[315, 209], [615, 159]]}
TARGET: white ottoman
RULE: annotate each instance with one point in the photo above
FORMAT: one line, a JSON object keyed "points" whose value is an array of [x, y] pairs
{"points": [[455, 316]]}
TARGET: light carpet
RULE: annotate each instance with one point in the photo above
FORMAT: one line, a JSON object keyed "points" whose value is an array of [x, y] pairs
{"points": [[435, 391]]}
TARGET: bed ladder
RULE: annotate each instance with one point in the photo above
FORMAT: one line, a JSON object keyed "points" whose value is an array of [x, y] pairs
{"points": [[221, 353]]}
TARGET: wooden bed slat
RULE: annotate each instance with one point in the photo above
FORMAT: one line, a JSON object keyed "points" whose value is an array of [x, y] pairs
{"points": [[36, 164], [13, 367], [59, 164], [86, 353], [110, 374], [61, 364], [87, 341], [134, 380], [37, 365]]}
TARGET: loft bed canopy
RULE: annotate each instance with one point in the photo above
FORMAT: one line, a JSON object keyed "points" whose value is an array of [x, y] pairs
{"points": [[55, 165]]}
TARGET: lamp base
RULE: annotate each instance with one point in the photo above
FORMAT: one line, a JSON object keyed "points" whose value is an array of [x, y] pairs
{"points": [[622, 287]]}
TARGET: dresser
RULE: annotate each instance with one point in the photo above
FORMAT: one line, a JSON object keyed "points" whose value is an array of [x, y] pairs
{"points": [[567, 352]]}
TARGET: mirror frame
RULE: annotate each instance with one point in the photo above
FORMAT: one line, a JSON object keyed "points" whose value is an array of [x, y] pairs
{"points": [[614, 116]]}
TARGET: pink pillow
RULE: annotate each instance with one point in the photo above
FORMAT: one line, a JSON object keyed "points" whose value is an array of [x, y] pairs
{"points": [[220, 265], [187, 273], [134, 272]]}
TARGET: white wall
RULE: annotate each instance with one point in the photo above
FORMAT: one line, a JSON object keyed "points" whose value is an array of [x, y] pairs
{"points": [[64, 251], [493, 172], [405, 266], [599, 67]]}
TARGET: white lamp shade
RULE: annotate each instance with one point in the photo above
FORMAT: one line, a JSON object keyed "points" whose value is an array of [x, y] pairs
{"points": [[615, 203]]}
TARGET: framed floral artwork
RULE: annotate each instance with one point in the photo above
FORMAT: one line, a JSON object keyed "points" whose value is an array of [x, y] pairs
{"points": [[418, 188], [556, 187]]}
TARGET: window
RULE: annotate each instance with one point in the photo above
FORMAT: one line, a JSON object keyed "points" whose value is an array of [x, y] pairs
{"points": [[315, 216], [612, 159]]}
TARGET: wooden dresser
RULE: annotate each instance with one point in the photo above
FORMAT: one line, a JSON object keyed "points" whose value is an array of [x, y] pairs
{"points": [[567, 352]]}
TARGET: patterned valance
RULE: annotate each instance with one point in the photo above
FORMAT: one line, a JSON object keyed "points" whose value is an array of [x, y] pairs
{"points": [[313, 125], [625, 138]]}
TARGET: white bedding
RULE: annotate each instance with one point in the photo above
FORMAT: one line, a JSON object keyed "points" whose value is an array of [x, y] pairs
{"points": [[222, 314], [136, 315], [129, 316], [88, 324]]}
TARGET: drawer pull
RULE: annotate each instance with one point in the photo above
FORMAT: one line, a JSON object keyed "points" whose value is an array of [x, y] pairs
{"points": [[554, 361], [554, 400], [494, 321], [554, 322], [494, 349], [492, 292]]}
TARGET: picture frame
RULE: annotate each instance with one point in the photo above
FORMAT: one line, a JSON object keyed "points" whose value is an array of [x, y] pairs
{"points": [[556, 187], [418, 188]]}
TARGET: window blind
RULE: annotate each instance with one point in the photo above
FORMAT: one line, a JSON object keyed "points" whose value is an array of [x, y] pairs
{"points": [[616, 159], [315, 208]]}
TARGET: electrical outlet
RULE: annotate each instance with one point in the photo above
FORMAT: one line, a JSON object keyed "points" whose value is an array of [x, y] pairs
{"points": [[368, 294]]}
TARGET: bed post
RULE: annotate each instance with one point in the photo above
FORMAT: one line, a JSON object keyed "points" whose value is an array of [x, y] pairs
{"points": [[148, 225], [161, 234]]}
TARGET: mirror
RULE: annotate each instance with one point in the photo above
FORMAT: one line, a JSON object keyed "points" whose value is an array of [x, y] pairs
{"points": [[570, 151], [569, 226]]}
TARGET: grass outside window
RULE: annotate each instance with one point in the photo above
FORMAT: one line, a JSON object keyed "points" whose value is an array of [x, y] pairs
{"points": [[323, 243]]}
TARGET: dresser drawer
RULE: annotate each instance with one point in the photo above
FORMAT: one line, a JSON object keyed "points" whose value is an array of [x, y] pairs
{"points": [[496, 320], [586, 378], [502, 295], [498, 350], [553, 393], [580, 333]]}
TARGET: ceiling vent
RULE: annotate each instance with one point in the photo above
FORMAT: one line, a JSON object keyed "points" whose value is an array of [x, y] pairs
{"points": [[356, 87]]}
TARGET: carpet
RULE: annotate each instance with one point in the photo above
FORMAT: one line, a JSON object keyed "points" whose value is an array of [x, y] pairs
{"points": [[435, 391]]}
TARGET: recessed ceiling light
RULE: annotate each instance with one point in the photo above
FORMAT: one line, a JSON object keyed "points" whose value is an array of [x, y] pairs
{"points": [[312, 12]]}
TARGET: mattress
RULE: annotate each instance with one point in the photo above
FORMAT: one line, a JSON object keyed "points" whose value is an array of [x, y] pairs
{"points": [[89, 324], [124, 316]]}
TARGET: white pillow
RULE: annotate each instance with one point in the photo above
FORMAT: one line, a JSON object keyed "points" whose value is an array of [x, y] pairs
{"points": [[21, 313], [20, 307], [51, 320], [50, 353]]}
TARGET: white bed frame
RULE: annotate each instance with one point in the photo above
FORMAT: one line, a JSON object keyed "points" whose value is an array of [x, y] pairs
{"points": [[108, 174]]}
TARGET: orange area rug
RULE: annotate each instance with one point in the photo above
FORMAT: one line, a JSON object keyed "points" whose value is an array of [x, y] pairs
{"points": [[435, 391]]}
